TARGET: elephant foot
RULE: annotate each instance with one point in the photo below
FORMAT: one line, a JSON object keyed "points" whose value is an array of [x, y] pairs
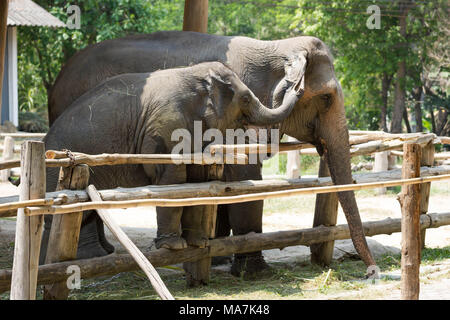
{"points": [[248, 265], [200, 242], [217, 261], [170, 241], [195, 238]]}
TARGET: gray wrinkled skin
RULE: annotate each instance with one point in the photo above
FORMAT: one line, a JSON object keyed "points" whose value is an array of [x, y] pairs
{"points": [[318, 118], [138, 113]]}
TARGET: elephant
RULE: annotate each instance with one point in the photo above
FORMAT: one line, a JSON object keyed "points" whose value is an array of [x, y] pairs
{"points": [[138, 113], [265, 67]]}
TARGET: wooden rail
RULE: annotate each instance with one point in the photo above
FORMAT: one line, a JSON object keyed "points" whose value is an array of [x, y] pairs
{"points": [[61, 209], [116, 263], [24, 277], [8, 205]]}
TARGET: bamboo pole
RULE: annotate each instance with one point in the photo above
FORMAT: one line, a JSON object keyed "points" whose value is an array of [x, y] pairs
{"points": [[444, 140], [137, 255], [60, 209], [116, 263], [65, 230], [120, 159], [203, 189], [28, 229], [22, 135], [253, 148], [410, 203]]}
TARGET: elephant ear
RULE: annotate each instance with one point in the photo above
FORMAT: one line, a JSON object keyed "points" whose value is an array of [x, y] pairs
{"points": [[220, 90], [215, 81], [294, 77], [295, 69]]}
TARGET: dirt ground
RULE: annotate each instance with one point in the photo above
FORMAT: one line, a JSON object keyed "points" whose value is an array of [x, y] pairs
{"points": [[296, 213]]}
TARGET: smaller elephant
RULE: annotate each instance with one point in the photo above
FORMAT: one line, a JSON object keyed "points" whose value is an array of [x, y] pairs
{"points": [[137, 114]]}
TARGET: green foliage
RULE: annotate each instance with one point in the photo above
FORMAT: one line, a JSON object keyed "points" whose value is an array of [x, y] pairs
{"points": [[362, 55], [42, 51], [32, 122]]}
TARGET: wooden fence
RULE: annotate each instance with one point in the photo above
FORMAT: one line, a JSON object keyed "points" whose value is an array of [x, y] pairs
{"points": [[72, 198]]}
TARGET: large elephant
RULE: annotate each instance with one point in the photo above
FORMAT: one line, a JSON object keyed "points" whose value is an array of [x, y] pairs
{"points": [[318, 118], [139, 113]]}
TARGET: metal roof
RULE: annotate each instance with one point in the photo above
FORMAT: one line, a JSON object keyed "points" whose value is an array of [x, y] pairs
{"points": [[28, 13]]}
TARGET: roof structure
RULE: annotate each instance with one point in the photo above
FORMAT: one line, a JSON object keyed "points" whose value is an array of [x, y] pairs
{"points": [[28, 13]]}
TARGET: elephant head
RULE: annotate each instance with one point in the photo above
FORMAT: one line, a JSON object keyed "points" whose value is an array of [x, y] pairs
{"points": [[319, 118], [240, 103]]}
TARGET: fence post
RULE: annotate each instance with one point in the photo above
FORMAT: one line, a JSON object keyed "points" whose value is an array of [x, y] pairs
{"points": [[426, 160], [197, 272], [65, 230], [8, 154], [293, 163], [28, 229], [410, 203], [325, 213], [381, 163]]}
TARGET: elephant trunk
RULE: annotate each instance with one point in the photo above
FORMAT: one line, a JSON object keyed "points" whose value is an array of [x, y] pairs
{"points": [[259, 114], [333, 139]]}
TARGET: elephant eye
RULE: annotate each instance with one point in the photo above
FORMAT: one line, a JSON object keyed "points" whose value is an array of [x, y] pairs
{"points": [[327, 99], [245, 99]]}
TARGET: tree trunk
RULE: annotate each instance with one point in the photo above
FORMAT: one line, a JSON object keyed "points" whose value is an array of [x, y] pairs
{"points": [[406, 119], [400, 94], [385, 84], [418, 100]]}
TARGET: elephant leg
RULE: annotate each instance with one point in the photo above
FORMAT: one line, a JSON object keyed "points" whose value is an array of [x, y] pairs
{"points": [[109, 248], [247, 218], [191, 223], [91, 233], [168, 234], [168, 219], [194, 217], [223, 229], [92, 238]]}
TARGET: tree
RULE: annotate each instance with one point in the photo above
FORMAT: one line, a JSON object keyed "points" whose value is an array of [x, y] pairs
{"points": [[369, 61], [42, 51]]}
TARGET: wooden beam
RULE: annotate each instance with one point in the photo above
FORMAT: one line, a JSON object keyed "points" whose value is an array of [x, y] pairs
{"points": [[3, 29], [410, 202], [28, 229], [137, 255], [325, 214], [116, 263], [120, 159], [199, 222], [9, 205], [427, 159], [61, 209], [195, 16], [65, 230]]}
